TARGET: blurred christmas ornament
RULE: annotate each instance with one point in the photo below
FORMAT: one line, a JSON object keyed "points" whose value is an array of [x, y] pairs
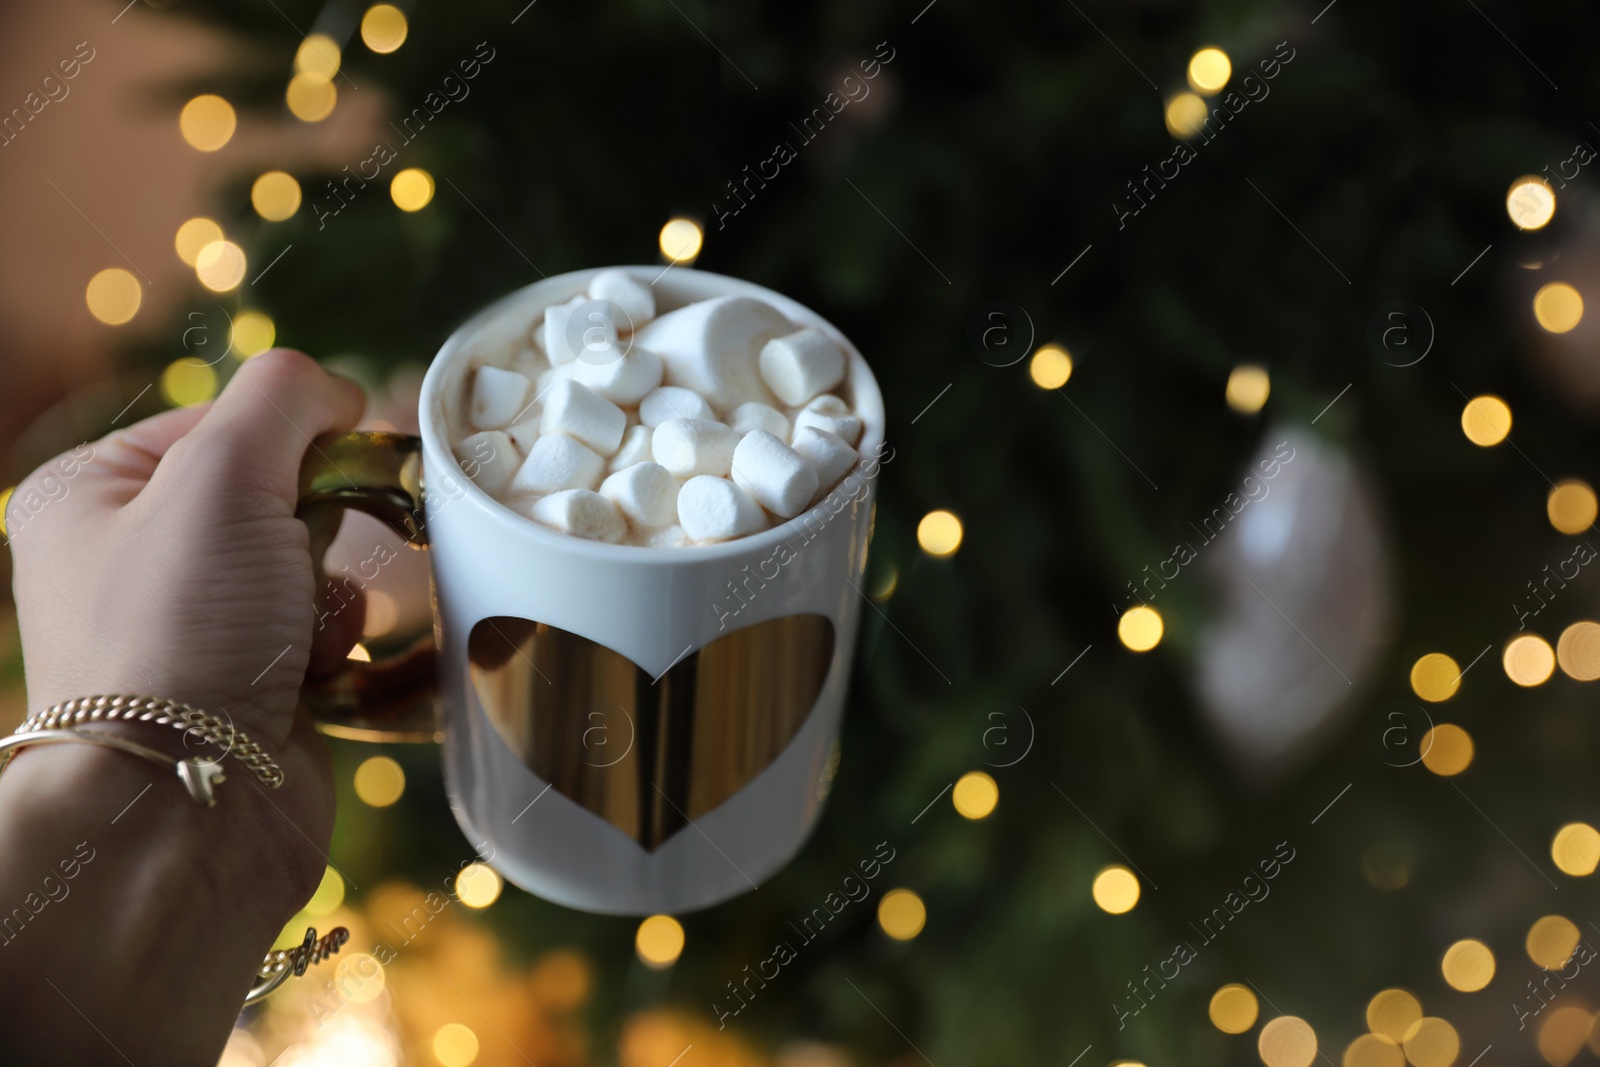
{"points": [[1306, 601]]}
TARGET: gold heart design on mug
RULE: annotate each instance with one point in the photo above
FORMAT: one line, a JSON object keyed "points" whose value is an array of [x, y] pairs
{"points": [[684, 742]]}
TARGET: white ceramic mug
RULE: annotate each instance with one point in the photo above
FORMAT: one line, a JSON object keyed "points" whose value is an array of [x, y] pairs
{"points": [[626, 729]]}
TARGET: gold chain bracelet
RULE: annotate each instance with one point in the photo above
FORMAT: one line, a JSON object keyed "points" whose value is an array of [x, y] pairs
{"points": [[234, 742]]}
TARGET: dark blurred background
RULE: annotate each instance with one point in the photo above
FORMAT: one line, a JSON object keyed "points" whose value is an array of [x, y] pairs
{"points": [[1223, 697]]}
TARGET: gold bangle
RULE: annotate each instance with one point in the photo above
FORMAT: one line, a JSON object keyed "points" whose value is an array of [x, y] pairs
{"points": [[198, 776], [233, 741]]}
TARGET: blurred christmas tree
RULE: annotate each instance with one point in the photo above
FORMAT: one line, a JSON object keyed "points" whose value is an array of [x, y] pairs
{"points": [[1310, 246]]}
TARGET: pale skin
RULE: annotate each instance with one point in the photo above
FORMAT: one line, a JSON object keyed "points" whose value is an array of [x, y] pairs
{"points": [[172, 566]]}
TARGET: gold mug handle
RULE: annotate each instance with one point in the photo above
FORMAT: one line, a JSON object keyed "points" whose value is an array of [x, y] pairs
{"points": [[394, 697]]}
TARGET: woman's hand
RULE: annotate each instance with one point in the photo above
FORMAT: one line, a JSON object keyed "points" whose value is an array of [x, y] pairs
{"points": [[165, 560]]}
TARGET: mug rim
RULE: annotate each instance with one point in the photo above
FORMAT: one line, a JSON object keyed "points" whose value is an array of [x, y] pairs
{"points": [[868, 406]]}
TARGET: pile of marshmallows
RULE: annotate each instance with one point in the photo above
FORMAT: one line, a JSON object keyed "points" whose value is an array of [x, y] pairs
{"points": [[705, 424]]}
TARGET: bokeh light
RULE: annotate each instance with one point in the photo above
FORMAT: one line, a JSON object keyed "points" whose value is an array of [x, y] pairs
{"points": [[1431, 1042], [1576, 849], [1486, 420], [193, 236], [318, 54], [379, 781], [455, 1045], [113, 296], [681, 240], [1571, 506], [359, 978], [207, 122], [1185, 115], [1248, 388], [1287, 1041], [1373, 1050], [187, 382], [1529, 660], [1233, 1008], [220, 266], [411, 189], [1578, 651], [975, 795], [311, 97], [1562, 1034], [939, 533], [383, 28], [1530, 202], [1551, 940], [1050, 367], [1435, 677], [478, 885], [888, 582], [902, 914], [659, 941], [329, 895], [252, 334], [1468, 965], [1447, 750], [1209, 71], [275, 196], [1116, 890], [1140, 628], [1558, 307], [1392, 1013]]}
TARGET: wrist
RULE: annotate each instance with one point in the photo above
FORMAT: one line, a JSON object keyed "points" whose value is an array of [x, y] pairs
{"points": [[170, 906]]}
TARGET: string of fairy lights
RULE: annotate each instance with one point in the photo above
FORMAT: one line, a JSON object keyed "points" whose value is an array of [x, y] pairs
{"points": [[208, 123], [1398, 1032]]}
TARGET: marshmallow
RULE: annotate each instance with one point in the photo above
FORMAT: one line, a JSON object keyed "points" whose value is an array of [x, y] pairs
{"points": [[557, 462], [525, 433], [490, 459], [646, 493], [831, 414], [575, 409], [549, 377], [800, 365], [828, 404], [558, 327], [671, 402], [633, 297], [747, 417], [688, 447], [827, 453], [581, 513], [668, 537], [622, 377], [497, 397], [774, 474], [714, 509], [635, 448], [711, 347]]}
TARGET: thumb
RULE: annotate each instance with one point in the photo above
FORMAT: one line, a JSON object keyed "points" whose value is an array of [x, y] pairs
{"points": [[260, 428]]}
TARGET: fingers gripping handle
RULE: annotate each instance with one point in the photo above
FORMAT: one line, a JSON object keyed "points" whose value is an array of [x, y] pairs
{"points": [[392, 698]]}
